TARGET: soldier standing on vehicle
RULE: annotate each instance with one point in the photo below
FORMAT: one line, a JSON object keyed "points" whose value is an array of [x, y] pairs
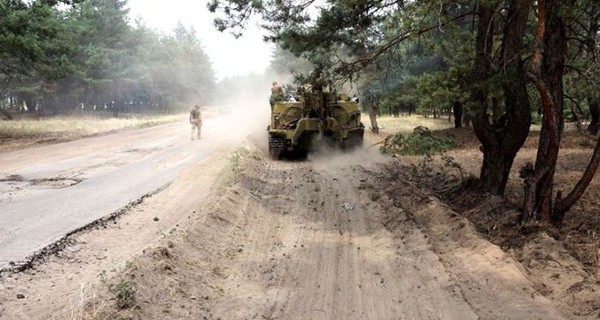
{"points": [[277, 94], [196, 121]]}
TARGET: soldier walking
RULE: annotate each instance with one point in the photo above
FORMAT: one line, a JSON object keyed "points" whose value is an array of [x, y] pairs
{"points": [[196, 121]]}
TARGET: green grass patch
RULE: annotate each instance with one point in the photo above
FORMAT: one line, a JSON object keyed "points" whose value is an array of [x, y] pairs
{"points": [[124, 294], [420, 142]]}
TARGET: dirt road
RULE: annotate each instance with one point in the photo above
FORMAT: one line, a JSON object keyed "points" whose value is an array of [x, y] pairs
{"points": [[306, 240], [325, 254], [333, 237]]}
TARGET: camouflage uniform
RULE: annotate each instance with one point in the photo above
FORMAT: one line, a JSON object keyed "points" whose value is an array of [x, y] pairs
{"points": [[196, 121]]}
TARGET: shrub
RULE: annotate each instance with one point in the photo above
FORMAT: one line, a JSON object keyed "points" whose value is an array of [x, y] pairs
{"points": [[420, 142], [124, 293]]}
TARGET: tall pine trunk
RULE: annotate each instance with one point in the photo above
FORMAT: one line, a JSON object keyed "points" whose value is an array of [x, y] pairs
{"points": [[457, 110], [546, 73]]}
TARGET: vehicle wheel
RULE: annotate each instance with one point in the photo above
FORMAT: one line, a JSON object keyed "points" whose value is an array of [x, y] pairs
{"points": [[275, 153], [358, 143], [276, 147], [355, 141]]}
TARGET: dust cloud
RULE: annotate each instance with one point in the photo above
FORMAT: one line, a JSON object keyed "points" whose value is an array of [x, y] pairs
{"points": [[244, 114], [240, 115], [242, 109], [327, 159]]}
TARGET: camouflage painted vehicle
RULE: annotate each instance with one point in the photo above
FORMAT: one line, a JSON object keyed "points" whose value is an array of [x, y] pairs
{"points": [[317, 118]]}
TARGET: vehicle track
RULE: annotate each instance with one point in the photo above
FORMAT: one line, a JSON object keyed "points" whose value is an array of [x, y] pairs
{"points": [[317, 249]]}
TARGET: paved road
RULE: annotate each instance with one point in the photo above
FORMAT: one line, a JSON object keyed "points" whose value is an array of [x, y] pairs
{"points": [[49, 191]]}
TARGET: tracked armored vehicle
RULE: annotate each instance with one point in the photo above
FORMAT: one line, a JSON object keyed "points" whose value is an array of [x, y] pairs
{"points": [[316, 119]]}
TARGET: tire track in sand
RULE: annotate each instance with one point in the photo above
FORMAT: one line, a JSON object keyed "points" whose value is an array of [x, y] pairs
{"points": [[317, 249]]}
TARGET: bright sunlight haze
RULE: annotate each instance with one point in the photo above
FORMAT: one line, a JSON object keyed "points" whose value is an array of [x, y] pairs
{"points": [[230, 57]]}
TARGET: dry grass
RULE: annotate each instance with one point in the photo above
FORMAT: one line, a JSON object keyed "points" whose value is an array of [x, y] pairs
{"points": [[389, 125], [581, 230], [89, 306], [22, 133], [87, 125]]}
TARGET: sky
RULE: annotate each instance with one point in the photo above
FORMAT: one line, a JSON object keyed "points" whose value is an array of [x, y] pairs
{"points": [[229, 56]]}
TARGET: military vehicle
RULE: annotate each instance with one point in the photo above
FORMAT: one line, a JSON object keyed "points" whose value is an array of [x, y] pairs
{"points": [[314, 118]]}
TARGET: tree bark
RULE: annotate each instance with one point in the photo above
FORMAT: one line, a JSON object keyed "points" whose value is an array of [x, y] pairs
{"points": [[496, 111], [564, 205], [494, 174], [457, 109], [547, 74], [501, 142], [547, 68]]}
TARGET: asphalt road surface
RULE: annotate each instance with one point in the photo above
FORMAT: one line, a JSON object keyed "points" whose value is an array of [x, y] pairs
{"points": [[49, 191]]}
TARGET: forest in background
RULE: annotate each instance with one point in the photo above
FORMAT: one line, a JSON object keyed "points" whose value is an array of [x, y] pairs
{"points": [[58, 57]]}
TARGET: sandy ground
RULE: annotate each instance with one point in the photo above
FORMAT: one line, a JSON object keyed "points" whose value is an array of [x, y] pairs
{"points": [[239, 236]]}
